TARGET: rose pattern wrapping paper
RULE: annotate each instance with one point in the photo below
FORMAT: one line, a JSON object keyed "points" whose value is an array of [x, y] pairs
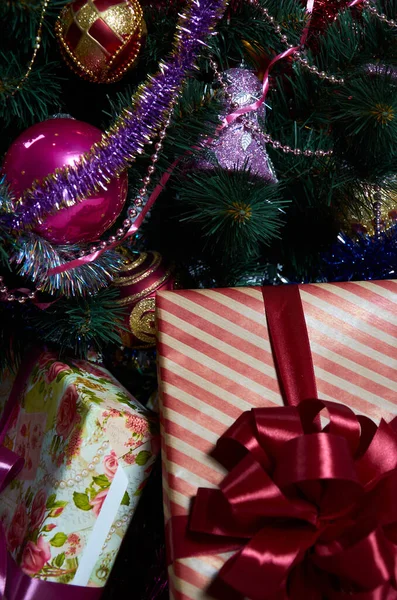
{"points": [[88, 447], [215, 362]]}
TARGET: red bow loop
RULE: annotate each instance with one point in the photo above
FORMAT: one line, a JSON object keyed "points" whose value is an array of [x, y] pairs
{"points": [[342, 420], [234, 444], [274, 426], [315, 501], [380, 458]]}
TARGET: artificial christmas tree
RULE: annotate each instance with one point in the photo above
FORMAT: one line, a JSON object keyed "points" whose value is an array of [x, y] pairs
{"points": [[259, 139], [246, 181]]}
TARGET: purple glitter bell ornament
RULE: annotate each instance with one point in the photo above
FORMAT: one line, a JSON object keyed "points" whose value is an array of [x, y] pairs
{"points": [[236, 146]]}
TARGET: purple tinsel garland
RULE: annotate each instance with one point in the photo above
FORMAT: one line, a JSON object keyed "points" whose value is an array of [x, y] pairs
{"points": [[138, 124]]}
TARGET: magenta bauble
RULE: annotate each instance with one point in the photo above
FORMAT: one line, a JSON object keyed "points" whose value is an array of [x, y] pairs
{"points": [[53, 144]]}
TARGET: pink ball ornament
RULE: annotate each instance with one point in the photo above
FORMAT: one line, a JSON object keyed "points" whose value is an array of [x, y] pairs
{"points": [[53, 144]]}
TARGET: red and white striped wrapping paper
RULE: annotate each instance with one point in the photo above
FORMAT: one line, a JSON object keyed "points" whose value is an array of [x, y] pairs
{"points": [[215, 362]]}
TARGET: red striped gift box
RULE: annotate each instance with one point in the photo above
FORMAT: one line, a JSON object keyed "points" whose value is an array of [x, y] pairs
{"points": [[215, 362]]}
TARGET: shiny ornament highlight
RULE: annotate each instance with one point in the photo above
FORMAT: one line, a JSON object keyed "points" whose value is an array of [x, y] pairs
{"points": [[101, 39], [48, 146], [139, 281], [376, 211]]}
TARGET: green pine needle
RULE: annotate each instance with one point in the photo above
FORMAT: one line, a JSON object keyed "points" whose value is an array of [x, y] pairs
{"points": [[233, 211], [6, 198], [161, 27], [248, 25], [20, 19], [365, 122], [13, 336], [81, 324], [6, 205], [340, 47], [34, 101], [196, 115]]}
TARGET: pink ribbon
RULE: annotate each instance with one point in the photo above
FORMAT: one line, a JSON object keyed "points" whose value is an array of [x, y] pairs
{"points": [[78, 262], [266, 83], [40, 305]]}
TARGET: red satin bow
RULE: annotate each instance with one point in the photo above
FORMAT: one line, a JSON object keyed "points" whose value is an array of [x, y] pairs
{"points": [[315, 510], [311, 510]]}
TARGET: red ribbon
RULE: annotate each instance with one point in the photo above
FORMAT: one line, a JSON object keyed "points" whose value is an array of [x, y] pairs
{"points": [[311, 510], [14, 584]]}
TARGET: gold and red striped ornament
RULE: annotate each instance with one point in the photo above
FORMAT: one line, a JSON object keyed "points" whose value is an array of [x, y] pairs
{"points": [[138, 282], [101, 39]]}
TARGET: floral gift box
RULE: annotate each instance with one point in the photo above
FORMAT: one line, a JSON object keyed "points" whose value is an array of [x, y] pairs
{"points": [[88, 448]]}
